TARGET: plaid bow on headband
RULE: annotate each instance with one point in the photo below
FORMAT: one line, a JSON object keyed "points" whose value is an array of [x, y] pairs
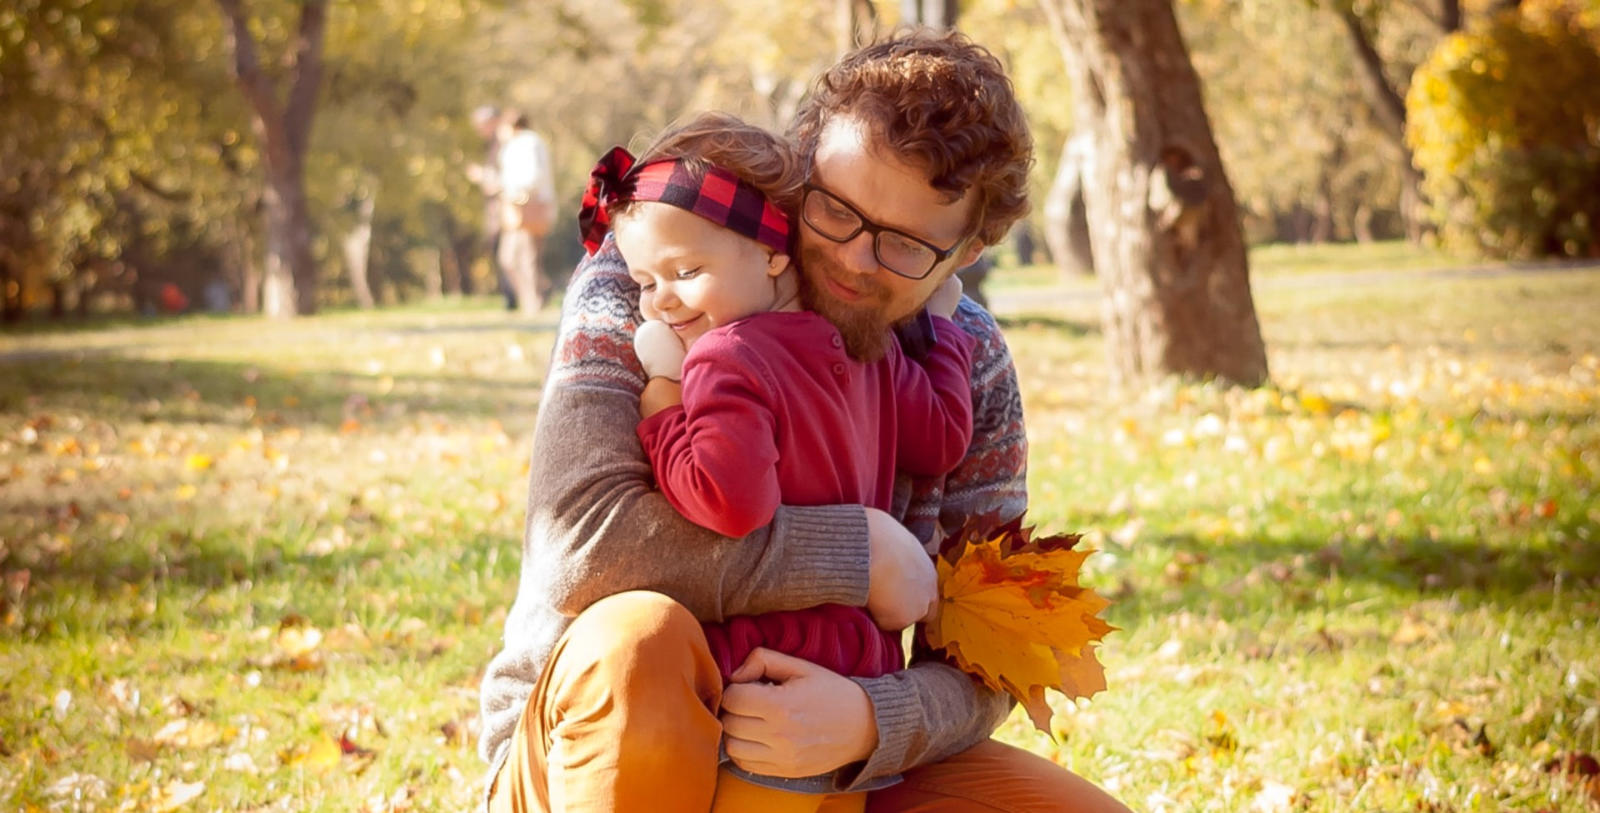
{"points": [[718, 196]]}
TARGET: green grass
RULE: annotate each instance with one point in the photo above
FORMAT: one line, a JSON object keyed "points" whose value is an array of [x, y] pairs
{"points": [[1326, 590]]}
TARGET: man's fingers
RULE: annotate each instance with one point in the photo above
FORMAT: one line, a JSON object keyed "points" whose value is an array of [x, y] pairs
{"points": [[741, 727], [749, 755], [753, 700], [766, 664]]}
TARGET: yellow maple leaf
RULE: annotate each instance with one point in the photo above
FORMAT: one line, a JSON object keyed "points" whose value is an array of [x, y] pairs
{"points": [[1013, 615], [321, 753]]}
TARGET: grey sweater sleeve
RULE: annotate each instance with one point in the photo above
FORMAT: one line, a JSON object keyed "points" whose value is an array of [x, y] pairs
{"points": [[601, 527], [596, 526]]}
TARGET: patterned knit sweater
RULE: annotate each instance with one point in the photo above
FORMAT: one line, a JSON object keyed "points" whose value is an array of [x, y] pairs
{"points": [[597, 527]]}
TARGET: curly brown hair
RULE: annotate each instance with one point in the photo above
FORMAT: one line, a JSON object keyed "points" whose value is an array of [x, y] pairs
{"points": [[764, 160], [940, 101]]}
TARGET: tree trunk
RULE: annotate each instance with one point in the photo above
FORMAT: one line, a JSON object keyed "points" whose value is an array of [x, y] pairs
{"points": [[1389, 104], [432, 274], [357, 245], [462, 247], [855, 23], [283, 130], [10, 292], [1066, 228], [931, 13], [1164, 226]]}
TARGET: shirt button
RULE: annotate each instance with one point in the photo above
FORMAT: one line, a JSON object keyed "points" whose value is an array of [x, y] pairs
{"points": [[838, 369], [837, 341]]}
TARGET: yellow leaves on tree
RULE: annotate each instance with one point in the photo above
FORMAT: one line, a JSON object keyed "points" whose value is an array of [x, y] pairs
{"points": [[1013, 614]]}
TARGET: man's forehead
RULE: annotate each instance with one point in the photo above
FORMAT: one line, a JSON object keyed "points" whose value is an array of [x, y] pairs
{"points": [[852, 161]]}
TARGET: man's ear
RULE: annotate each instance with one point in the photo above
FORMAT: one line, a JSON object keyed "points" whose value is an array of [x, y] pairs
{"points": [[969, 255], [777, 264]]}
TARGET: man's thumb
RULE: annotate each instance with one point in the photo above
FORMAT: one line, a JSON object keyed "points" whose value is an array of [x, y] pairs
{"points": [[766, 664]]}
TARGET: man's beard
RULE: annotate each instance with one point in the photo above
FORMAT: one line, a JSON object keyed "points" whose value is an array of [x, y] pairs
{"points": [[864, 325]]}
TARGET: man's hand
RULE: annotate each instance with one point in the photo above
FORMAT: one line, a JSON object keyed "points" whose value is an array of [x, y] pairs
{"points": [[782, 716], [902, 585], [946, 297]]}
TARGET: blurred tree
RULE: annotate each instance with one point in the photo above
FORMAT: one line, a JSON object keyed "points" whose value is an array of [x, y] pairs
{"points": [[386, 174], [1295, 130], [1164, 227], [855, 23], [1019, 34], [1504, 119], [283, 127], [931, 13], [119, 149], [1389, 39]]}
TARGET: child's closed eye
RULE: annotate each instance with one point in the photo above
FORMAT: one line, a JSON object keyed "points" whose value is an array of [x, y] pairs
{"points": [[689, 273]]}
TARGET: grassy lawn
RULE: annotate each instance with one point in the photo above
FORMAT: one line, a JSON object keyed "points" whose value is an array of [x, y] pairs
{"points": [[251, 565]]}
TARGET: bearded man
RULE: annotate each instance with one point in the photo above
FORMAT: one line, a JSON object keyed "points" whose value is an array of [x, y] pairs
{"points": [[605, 696]]}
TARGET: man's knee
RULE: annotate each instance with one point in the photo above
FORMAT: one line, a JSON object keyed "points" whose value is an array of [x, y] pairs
{"points": [[634, 634]]}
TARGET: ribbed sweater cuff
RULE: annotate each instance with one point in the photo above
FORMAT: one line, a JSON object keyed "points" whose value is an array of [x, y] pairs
{"points": [[898, 713], [825, 555]]}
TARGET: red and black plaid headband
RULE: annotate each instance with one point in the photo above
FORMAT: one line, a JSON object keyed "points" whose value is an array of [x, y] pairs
{"points": [[719, 196]]}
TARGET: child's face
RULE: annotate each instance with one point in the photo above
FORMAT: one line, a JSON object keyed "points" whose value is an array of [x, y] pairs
{"points": [[693, 274]]}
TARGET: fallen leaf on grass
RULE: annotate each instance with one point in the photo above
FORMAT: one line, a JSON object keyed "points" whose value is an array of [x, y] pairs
{"points": [[1411, 631], [176, 794], [297, 643], [349, 747], [1012, 614], [322, 753], [460, 733], [81, 787], [240, 762], [141, 750], [189, 734], [1579, 768], [1273, 798]]}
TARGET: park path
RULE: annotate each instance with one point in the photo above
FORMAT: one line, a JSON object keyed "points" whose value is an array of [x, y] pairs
{"points": [[1000, 301], [1003, 301]]}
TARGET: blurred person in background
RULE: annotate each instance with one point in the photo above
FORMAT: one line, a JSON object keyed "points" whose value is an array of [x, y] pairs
{"points": [[527, 209]]}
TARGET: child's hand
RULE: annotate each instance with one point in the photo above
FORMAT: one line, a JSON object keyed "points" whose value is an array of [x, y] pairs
{"points": [[946, 297], [659, 350]]}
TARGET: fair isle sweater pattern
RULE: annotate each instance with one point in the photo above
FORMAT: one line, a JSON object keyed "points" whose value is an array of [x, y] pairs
{"points": [[924, 713]]}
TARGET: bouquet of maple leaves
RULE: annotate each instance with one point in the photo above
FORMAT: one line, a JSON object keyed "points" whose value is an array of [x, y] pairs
{"points": [[1013, 615]]}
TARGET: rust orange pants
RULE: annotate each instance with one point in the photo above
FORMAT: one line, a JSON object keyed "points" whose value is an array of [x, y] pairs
{"points": [[624, 718]]}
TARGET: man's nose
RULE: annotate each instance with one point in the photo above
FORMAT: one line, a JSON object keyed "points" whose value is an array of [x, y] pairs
{"points": [[859, 255]]}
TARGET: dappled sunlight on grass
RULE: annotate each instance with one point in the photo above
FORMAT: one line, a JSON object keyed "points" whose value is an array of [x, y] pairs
{"points": [[1379, 574], [266, 563]]}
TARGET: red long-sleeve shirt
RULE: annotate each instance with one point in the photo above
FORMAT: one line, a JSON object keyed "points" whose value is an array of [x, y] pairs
{"points": [[775, 412]]}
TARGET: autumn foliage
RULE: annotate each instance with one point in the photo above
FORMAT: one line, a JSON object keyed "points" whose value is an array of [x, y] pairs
{"points": [[1504, 120], [1013, 615]]}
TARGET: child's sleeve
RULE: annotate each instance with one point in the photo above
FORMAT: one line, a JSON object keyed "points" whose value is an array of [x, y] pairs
{"points": [[715, 457], [934, 403]]}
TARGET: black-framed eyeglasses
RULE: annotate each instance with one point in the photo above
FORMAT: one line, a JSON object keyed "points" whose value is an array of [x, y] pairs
{"points": [[907, 256]]}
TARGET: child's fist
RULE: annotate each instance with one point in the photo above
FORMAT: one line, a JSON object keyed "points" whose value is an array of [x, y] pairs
{"points": [[659, 350], [946, 297]]}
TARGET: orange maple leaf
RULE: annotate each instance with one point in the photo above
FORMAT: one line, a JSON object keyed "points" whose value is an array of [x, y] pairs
{"points": [[1013, 615]]}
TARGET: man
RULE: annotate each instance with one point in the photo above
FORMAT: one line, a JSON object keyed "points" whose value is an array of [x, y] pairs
{"points": [[527, 197], [605, 696]]}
